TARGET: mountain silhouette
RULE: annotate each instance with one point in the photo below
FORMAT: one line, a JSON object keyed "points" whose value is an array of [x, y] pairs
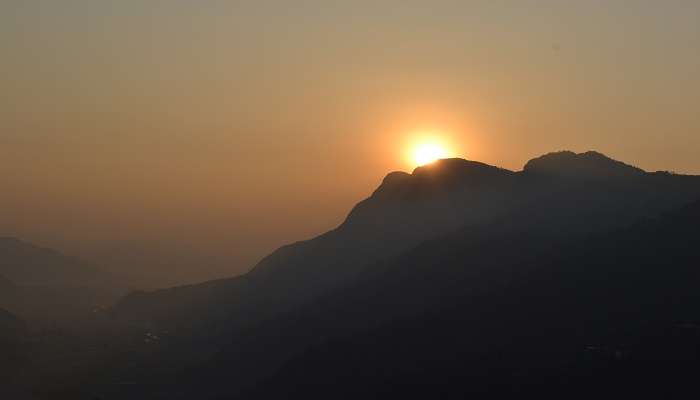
{"points": [[13, 333], [407, 209], [6, 284], [606, 314], [590, 165], [8, 290], [41, 284], [157, 264], [10, 323], [476, 240], [26, 264]]}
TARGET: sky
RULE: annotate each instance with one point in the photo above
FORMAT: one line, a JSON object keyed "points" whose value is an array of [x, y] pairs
{"points": [[232, 127]]}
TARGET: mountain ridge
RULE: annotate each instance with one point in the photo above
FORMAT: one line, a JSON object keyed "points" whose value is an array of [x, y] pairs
{"points": [[560, 164], [27, 264], [589, 164], [573, 310], [6, 284], [425, 306], [490, 253], [407, 209]]}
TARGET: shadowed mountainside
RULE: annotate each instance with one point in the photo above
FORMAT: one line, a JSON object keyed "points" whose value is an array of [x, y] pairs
{"points": [[156, 264], [609, 314], [7, 290], [9, 324], [6, 284], [27, 264], [589, 165], [408, 209], [495, 220], [13, 334], [47, 287]]}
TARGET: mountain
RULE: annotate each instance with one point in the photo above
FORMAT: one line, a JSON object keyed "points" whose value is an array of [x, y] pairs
{"points": [[48, 288], [12, 337], [5, 284], [451, 235], [9, 323], [375, 229], [8, 291], [155, 264], [26, 264], [607, 314], [408, 209], [589, 165]]}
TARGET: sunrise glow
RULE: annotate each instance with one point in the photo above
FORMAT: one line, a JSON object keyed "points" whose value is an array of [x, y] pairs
{"points": [[429, 152]]}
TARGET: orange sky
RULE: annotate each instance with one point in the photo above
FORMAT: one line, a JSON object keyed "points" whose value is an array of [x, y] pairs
{"points": [[237, 128]]}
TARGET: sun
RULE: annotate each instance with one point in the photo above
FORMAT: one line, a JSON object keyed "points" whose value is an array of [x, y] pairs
{"points": [[429, 152]]}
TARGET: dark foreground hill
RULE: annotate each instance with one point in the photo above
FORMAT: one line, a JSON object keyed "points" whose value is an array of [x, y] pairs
{"points": [[8, 291], [608, 315], [561, 193], [5, 284], [13, 335], [457, 271]]}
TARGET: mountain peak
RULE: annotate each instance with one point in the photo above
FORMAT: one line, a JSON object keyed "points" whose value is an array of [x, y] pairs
{"points": [[447, 173], [458, 170], [590, 164], [448, 166], [395, 177]]}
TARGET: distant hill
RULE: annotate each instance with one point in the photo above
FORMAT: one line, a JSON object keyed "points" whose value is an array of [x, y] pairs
{"points": [[158, 264], [46, 287], [26, 264]]}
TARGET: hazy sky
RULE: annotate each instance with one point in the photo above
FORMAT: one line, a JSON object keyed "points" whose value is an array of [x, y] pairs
{"points": [[238, 126]]}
